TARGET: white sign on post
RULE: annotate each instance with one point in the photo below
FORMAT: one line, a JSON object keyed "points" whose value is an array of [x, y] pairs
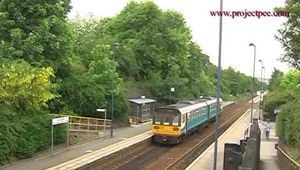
{"points": [[60, 120]]}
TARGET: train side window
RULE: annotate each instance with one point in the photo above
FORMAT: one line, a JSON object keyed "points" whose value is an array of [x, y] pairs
{"points": [[183, 118]]}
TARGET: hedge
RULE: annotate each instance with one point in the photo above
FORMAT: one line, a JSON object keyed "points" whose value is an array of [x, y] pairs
{"points": [[25, 133]]}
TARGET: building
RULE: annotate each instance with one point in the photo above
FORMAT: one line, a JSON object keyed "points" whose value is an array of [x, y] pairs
{"points": [[142, 110]]}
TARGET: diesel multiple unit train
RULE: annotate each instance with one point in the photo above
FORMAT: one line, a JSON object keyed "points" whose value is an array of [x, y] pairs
{"points": [[172, 123]]}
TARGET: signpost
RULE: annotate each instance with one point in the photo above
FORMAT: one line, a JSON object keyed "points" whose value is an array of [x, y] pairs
{"points": [[57, 121], [103, 110]]}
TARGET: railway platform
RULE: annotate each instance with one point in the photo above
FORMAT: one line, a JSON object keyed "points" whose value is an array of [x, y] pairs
{"points": [[122, 137], [268, 155]]}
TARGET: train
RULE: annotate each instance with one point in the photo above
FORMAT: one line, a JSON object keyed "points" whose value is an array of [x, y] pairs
{"points": [[172, 123]]}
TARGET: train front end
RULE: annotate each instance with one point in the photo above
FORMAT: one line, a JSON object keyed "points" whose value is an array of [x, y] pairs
{"points": [[167, 126]]}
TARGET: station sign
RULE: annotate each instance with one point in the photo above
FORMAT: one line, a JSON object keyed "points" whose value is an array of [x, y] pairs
{"points": [[60, 120]]}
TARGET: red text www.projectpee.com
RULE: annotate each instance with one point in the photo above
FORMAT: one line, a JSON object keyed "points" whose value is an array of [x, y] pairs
{"points": [[246, 13]]}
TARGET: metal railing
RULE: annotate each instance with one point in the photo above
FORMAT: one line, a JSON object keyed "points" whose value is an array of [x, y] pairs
{"points": [[86, 124], [286, 161], [77, 123]]}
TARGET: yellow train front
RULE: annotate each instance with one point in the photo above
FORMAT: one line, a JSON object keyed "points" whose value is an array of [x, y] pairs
{"points": [[167, 126]]}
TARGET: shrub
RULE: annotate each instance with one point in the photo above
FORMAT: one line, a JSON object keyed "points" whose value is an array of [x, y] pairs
{"points": [[10, 128], [288, 123], [36, 133], [25, 133], [277, 98]]}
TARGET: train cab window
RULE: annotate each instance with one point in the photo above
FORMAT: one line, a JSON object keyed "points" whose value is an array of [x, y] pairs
{"points": [[175, 120], [167, 119], [157, 118]]}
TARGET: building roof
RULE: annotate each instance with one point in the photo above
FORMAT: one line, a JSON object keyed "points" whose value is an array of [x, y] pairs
{"points": [[142, 100]]}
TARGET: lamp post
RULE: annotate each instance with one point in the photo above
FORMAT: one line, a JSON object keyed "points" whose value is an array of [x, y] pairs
{"points": [[218, 90], [251, 44], [114, 45], [103, 110], [261, 88]]}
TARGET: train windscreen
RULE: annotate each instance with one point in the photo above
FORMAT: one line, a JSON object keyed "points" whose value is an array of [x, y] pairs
{"points": [[166, 117]]}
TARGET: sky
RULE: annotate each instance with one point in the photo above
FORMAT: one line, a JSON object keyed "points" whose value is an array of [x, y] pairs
{"points": [[238, 32]]}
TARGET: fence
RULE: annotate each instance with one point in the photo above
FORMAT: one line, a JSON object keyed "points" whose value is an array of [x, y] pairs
{"points": [[87, 124], [83, 129]]}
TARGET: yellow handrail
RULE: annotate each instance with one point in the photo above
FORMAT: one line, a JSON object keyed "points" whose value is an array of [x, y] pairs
{"points": [[291, 159]]}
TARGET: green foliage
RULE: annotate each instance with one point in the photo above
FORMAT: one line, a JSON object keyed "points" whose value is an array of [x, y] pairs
{"points": [[286, 95], [121, 109], [156, 39], [36, 43], [201, 73], [83, 95], [24, 133], [235, 83], [275, 79], [288, 123], [289, 34], [277, 98], [291, 80], [23, 86], [9, 132], [37, 32], [35, 136]]}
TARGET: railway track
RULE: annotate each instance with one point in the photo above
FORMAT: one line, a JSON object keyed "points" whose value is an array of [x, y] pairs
{"points": [[147, 155]]}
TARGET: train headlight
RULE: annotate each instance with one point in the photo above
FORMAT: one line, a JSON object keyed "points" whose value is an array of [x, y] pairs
{"points": [[156, 127], [175, 128]]}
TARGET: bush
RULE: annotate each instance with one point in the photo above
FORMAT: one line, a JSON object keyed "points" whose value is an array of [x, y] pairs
{"points": [[25, 133], [277, 98], [9, 132], [36, 133], [288, 123]]}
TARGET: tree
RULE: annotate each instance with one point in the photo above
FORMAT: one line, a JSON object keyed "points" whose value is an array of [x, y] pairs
{"points": [[236, 83], [23, 86], [36, 31], [290, 81], [156, 39], [289, 35], [275, 79], [200, 72]]}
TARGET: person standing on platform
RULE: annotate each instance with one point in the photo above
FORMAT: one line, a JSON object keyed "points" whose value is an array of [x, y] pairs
{"points": [[268, 127]]}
